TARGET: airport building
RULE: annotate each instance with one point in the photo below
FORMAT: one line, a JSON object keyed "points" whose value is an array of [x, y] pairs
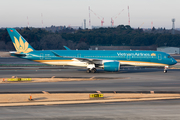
{"points": [[169, 50], [97, 47]]}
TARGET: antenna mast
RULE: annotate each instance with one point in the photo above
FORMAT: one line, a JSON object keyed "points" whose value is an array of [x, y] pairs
{"points": [[27, 22], [173, 25], [128, 16], [151, 25], [89, 17], [42, 19]]}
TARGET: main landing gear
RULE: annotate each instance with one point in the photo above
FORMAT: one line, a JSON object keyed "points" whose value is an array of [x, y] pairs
{"points": [[165, 69], [91, 68]]}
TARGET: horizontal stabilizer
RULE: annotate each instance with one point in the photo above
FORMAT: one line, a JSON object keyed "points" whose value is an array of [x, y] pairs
{"points": [[18, 55]]}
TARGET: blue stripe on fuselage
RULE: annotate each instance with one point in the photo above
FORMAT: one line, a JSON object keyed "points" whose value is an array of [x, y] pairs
{"points": [[142, 56]]}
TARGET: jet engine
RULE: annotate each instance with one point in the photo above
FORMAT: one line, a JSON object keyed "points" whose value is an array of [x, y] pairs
{"points": [[112, 66]]}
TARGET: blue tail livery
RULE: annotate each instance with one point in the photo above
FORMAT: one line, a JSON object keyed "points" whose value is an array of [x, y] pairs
{"points": [[20, 44]]}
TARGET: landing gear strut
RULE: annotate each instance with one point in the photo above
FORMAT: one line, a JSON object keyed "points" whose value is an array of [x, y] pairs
{"points": [[165, 69], [88, 70], [91, 68]]}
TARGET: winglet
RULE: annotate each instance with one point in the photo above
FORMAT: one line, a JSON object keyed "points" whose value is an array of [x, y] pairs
{"points": [[67, 48]]}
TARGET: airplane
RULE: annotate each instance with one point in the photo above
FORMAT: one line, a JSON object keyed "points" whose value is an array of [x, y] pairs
{"points": [[109, 60]]}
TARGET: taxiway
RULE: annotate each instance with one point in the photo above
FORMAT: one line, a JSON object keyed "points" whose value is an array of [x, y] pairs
{"points": [[138, 80]]}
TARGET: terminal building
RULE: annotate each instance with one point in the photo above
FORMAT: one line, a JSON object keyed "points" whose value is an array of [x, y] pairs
{"points": [[169, 50]]}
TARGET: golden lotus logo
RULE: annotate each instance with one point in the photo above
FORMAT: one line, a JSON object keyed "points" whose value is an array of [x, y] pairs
{"points": [[21, 46], [153, 54]]}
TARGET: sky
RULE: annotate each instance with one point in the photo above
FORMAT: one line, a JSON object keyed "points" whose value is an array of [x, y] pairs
{"points": [[14, 13]]}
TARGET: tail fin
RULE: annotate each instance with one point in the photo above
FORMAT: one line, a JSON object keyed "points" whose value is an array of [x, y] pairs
{"points": [[20, 44]]}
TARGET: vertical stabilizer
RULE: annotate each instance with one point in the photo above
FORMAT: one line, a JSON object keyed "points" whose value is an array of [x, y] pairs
{"points": [[20, 44]]}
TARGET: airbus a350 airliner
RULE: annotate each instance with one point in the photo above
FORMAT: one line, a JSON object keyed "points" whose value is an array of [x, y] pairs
{"points": [[109, 60]]}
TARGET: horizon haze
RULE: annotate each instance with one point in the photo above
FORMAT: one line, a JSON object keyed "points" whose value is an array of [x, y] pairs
{"points": [[14, 13]]}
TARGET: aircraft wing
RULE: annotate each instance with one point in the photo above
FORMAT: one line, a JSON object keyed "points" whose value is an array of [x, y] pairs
{"points": [[89, 60]]}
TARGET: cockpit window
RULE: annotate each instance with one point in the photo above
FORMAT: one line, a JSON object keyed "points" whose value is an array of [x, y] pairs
{"points": [[169, 56]]}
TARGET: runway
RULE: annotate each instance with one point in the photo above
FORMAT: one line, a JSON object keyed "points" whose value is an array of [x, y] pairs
{"points": [[147, 110], [139, 80]]}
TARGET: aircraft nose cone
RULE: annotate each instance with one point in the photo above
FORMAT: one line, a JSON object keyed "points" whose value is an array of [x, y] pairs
{"points": [[174, 61]]}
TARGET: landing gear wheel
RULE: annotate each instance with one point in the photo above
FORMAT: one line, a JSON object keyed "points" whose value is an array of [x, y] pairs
{"points": [[88, 70], [93, 70], [165, 71]]}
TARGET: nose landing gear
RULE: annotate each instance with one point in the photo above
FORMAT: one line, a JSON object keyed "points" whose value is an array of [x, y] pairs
{"points": [[165, 69]]}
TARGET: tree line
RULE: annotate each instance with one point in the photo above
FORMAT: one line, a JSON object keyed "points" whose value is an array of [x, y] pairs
{"points": [[83, 39]]}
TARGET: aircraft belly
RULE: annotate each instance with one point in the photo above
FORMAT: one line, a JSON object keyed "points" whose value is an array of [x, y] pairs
{"points": [[77, 63], [62, 62], [136, 63], [54, 62]]}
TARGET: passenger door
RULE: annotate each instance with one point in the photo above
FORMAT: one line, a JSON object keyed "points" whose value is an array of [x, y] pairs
{"points": [[78, 55], [128, 56], [159, 57], [41, 56]]}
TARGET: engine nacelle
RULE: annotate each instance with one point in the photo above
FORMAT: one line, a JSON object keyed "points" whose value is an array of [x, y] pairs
{"points": [[112, 66]]}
